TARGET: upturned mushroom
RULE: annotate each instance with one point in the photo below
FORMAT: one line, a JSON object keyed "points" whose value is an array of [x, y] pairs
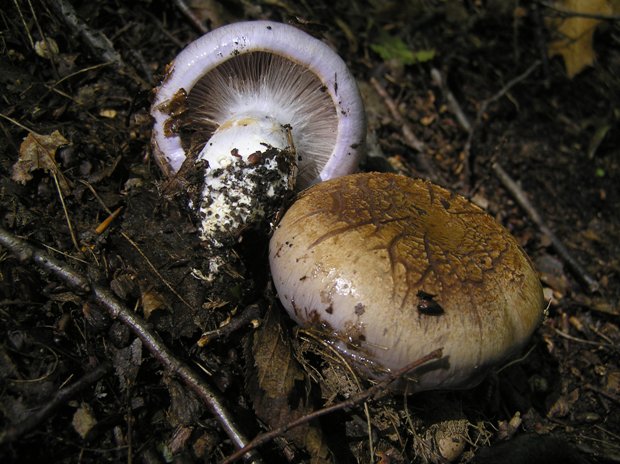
{"points": [[263, 106], [390, 268]]}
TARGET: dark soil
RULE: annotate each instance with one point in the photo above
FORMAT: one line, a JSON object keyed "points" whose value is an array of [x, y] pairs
{"points": [[558, 138]]}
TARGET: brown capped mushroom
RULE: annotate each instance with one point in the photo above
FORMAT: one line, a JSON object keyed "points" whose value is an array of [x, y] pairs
{"points": [[391, 268]]}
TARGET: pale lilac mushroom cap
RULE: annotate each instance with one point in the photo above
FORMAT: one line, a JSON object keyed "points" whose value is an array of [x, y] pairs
{"points": [[262, 74]]}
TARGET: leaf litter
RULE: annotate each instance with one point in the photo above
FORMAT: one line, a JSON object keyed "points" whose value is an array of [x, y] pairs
{"points": [[545, 130]]}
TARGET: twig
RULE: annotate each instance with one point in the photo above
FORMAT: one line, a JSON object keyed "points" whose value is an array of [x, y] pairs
{"points": [[349, 403], [100, 45], [67, 216], [453, 104], [588, 281], [586, 342], [26, 29], [516, 361], [78, 72], [105, 224], [541, 43], [156, 271], [60, 398], [43, 36], [582, 275], [318, 338], [480, 114], [605, 393], [410, 138], [249, 316], [27, 253], [187, 12], [511, 83], [18, 124]]}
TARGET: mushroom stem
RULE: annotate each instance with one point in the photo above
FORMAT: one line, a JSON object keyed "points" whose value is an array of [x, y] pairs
{"points": [[243, 188], [238, 93], [239, 193]]}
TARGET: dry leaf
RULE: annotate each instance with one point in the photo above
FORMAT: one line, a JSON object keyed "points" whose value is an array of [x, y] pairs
{"points": [[127, 362], [83, 420], [39, 152], [185, 407], [276, 385], [46, 48], [613, 383], [152, 301], [575, 33]]}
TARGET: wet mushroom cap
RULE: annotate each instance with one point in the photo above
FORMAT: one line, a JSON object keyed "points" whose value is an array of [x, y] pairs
{"points": [[391, 268]]}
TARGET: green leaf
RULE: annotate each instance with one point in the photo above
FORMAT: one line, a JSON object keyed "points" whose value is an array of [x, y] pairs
{"points": [[394, 48], [422, 56]]}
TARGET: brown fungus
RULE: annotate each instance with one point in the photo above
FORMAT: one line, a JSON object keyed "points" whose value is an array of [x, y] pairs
{"points": [[391, 268]]}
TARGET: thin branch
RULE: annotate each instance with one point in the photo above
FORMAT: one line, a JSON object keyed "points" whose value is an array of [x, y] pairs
{"points": [[105, 224], [586, 342], [410, 138], [453, 104], [156, 271], [21, 16], [605, 393], [249, 316], [60, 398], [349, 403], [67, 216], [191, 17], [519, 195], [99, 44], [391, 105], [27, 253], [511, 83], [483, 108], [541, 43], [18, 124]]}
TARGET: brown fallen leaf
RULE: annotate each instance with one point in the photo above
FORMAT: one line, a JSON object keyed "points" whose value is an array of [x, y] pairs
{"points": [[574, 34], [38, 151], [83, 420], [127, 362], [277, 386], [152, 301]]}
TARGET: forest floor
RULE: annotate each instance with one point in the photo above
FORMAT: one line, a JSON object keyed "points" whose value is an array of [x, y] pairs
{"points": [[463, 93]]}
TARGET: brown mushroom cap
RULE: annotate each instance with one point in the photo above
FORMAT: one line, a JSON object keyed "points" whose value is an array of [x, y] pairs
{"points": [[392, 268]]}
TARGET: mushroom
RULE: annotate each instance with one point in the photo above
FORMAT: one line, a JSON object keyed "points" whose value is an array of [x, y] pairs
{"points": [[263, 106], [390, 268]]}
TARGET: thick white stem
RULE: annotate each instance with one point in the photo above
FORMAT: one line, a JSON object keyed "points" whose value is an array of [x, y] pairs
{"points": [[251, 167]]}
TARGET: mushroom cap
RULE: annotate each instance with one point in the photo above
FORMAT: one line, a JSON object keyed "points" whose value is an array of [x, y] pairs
{"points": [[392, 268], [264, 67]]}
